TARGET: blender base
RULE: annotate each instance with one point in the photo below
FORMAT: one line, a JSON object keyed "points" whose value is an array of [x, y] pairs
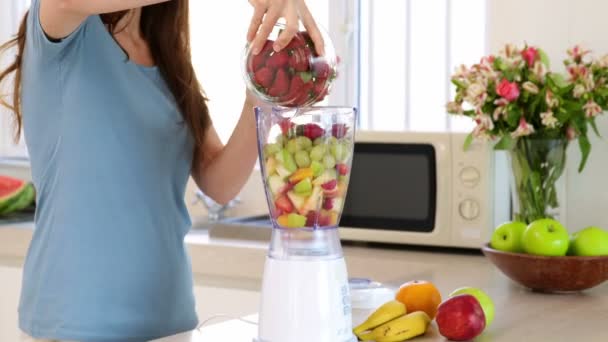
{"points": [[305, 300]]}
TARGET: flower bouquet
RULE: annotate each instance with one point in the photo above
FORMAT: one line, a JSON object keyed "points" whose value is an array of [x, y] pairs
{"points": [[533, 113]]}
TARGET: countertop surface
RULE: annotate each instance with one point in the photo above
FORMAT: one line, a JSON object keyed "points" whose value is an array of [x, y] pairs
{"points": [[521, 315]]}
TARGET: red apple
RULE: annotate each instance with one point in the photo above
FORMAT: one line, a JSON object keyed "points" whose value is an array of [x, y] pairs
{"points": [[460, 318]]}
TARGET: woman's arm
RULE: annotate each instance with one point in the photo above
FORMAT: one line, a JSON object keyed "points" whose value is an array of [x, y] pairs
{"points": [[221, 171], [59, 18]]}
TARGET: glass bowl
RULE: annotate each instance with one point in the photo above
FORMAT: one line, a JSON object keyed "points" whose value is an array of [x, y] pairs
{"points": [[295, 76]]}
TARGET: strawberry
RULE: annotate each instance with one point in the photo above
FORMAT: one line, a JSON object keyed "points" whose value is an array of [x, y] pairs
{"points": [[330, 185], [299, 59], [319, 86], [264, 77], [280, 85], [339, 130], [277, 212], [295, 86], [328, 204], [342, 169], [278, 59], [311, 131], [296, 43], [324, 219], [321, 68], [258, 60], [284, 204], [311, 218], [286, 126]]}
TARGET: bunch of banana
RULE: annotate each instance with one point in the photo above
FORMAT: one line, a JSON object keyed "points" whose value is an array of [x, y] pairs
{"points": [[392, 323]]}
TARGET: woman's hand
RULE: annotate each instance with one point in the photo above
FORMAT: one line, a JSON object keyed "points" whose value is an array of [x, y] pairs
{"points": [[267, 13]]}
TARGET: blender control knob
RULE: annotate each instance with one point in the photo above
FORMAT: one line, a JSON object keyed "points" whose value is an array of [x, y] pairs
{"points": [[469, 209]]}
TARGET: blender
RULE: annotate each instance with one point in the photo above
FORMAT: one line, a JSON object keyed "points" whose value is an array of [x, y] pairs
{"points": [[305, 158]]}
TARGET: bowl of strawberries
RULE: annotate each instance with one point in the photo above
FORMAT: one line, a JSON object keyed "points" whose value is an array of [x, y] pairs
{"points": [[296, 76]]}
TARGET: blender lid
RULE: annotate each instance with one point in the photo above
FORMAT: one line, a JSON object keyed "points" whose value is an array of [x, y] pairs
{"points": [[368, 294]]}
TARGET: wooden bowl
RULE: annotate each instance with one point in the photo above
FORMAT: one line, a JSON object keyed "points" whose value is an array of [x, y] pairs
{"points": [[550, 274]]}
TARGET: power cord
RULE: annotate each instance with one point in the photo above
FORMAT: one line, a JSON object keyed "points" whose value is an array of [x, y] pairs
{"points": [[224, 316]]}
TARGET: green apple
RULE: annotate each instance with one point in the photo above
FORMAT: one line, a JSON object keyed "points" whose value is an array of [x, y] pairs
{"points": [[591, 241], [546, 237], [303, 186], [487, 305], [507, 237]]}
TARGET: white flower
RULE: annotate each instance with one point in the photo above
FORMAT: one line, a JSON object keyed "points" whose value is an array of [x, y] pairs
{"points": [[552, 102], [454, 107], [539, 70], [592, 109], [476, 94], [461, 72], [499, 112], [548, 119], [530, 87], [603, 62], [589, 82], [509, 51], [523, 129], [579, 90]]}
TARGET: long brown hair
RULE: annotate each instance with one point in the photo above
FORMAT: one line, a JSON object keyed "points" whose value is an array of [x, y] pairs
{"points": [[166, 29]]}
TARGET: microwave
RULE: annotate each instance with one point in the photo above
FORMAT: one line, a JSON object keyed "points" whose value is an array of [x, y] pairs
{"points": [[424, 189]]}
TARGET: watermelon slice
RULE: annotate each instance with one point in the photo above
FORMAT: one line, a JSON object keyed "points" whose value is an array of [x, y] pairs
{"points": [[11, 190], [26, 199]]}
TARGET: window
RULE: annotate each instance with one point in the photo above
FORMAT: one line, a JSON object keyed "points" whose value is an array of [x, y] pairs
{"points": [[408, 49]]}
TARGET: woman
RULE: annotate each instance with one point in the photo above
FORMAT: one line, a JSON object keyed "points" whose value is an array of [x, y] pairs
{"points": [[115, 123]]}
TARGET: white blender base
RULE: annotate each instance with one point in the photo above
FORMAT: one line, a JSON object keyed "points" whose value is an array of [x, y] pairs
{"points": [[304, 301]]}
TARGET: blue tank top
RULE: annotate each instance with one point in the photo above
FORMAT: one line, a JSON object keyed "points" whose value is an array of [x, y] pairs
{"points": [[110, 156]]}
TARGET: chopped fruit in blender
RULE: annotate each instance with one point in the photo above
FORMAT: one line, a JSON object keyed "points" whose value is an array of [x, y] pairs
{"points": [[271, 165], [311, 218], [330, 185], [278, 59], [311, 131], [276, 184], [296, 199], [270, 149], [303, 186], [333, 218], [337, 202], [282, 171], [280, 85], [286, 125], [312, 202], [317, 168], [342, 169], [328, 204], [284, 204], [326, 176], [283, 220], [324, 219], [301, 174], [317, 152], [329, 161], [302, 159], [292, 146], [264, 77], [338, 151], [339, 130], [304, 143], [319, 141], [335, 192], [296, 221], [288, 161], [342, 188]]}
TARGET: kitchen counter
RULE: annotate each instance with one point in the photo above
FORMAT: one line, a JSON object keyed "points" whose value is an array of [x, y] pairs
{"points": [[521, 315]]}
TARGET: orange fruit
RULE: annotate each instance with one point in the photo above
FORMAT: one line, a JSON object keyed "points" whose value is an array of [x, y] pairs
{"points": [[419, 295]]}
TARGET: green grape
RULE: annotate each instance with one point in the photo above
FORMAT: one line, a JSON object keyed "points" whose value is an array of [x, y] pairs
{"points": [[319, 141], [292, 146], [270, 149], [329, 161], [304, 143], [280, 140], [317, 168], [302, 159], [288, 161], [317, 152], [338, 151]]}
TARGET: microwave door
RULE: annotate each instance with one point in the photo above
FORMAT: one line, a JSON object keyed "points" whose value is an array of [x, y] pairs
{"points": [[392, 187]]}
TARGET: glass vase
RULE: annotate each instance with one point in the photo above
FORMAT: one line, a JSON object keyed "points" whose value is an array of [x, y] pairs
{"points": [[537, 165]]}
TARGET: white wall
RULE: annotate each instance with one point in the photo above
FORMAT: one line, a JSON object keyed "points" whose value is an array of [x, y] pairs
{"points": [[556, 25]]}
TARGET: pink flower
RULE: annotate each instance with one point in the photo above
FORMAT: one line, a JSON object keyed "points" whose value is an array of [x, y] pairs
{"points": [[592, 109], [508, 90], [577, 53], [523, 129], [530, 55]]}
